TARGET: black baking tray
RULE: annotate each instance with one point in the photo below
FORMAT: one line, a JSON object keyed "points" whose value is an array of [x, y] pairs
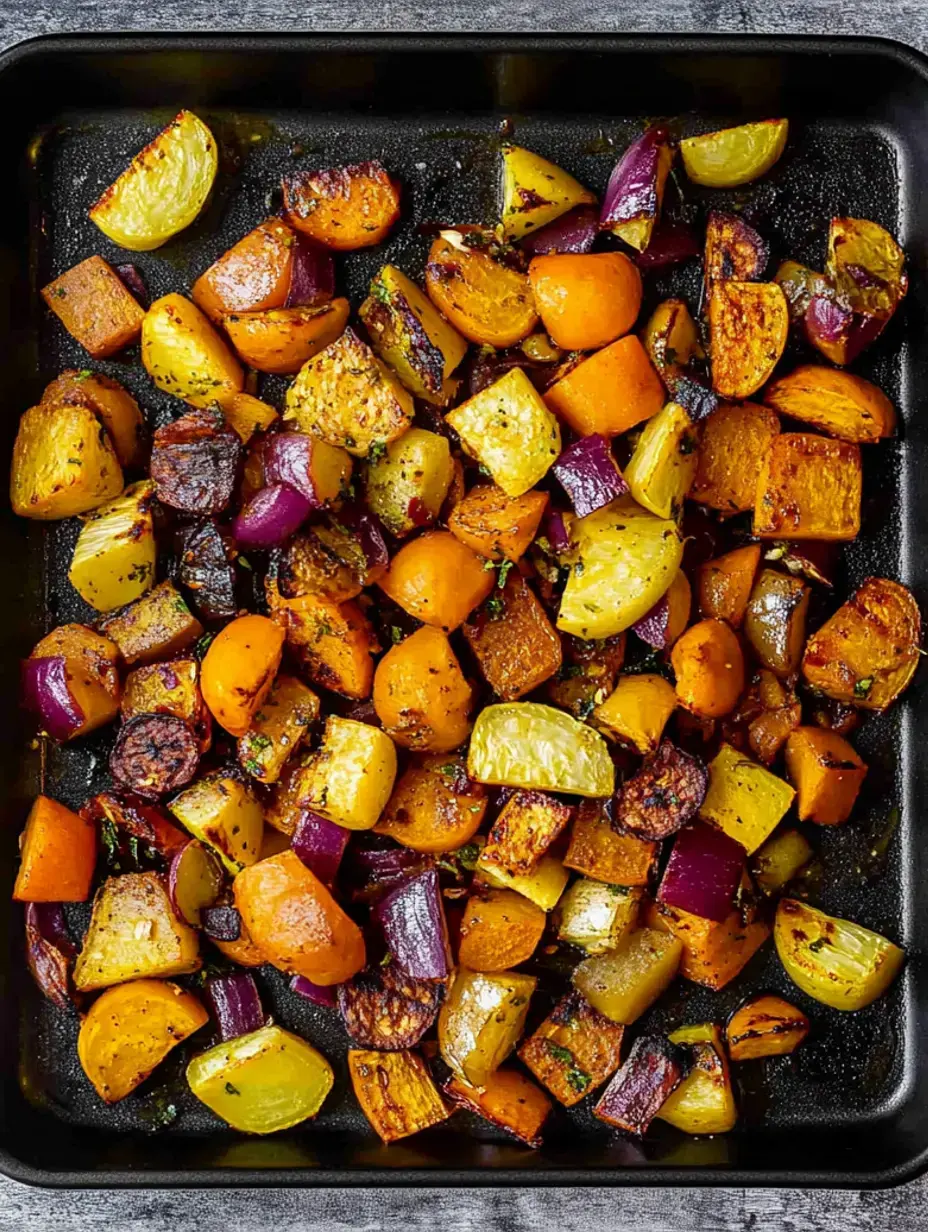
{"points": [[851, 1108]]}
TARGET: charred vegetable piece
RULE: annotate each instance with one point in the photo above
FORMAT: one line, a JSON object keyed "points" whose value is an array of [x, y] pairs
{"points": [[238, 670], [223, 812], [421, 695], [808, 487], [714, 951], [282, 340], [527, 825], [195, 461], [383, 1008], [134, 932], [71, 681], [481, 1021], [733, 446], [63, 463], [609, 392], [407, 486], [114, 406], [412, 917], [663, 796], [495, 525], [633, 197], [396, 1092], [205, 569], [866, 654], [95, 307], [58, 851], [156, 626], [333, 642], [535, 192], [185, 356], [513, 641], [114, 558], [350, 778], [835, 402], [765, 1027], [704, 871], [509, 1101], [434, 807], [775, 621], [525, 744], [253, 274], [827, 773], [599, 851], [263, 1082], [734, 251], [748, 323], [652, 1071], [637, 710], [834, 961], [139, 820], [704, 1102], [130, 1029], [278, 728], [779, 860], [348, 398], [312, 565], [574, 1050], [731, 157], [154, 754], [343, 208], [50, 953], [588, 674], [596, 916], [623, 983], [500, 929], [486, 299], [743, 799]]}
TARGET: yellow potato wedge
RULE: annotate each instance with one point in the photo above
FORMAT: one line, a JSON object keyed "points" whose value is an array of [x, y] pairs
{"points": [[734, 156], [535, 192], [748, 327], [185, 356], [114, 558]]}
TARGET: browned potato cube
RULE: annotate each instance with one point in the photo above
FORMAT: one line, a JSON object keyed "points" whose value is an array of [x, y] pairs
{"points": [[574, 1050], [278, 728], [732, 448], [94, 306], [168, 688], [809, 487], [513, 640], [156, 626], [598, 851], [63, 463], [396, 1092], [114, 406], [527, 825]]}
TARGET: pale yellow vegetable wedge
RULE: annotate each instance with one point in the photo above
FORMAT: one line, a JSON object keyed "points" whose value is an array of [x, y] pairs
{"points": [[734, 156], [185, 356], [661, 470], [704, 1102], [535, 192], [224, 813], [636, 711], [596, 916], [350, 778], [114, 558], [743, 799], [481, 1021], [623, 983]]}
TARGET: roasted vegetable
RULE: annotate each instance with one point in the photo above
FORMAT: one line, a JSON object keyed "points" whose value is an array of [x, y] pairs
{"points": [[732, 450], [495, 525], [704, 871], [709, 667], [412, 916], [734, 251], [867, 652], [663, 465], [714, 951], [130, 1029], [437, 579], [248, 415], [601, 852], [808, 488], [134, 933], [114, 558], [224, 813], [383, 1008], [500, 929], [574, 1050], [49, 952], [63, 463], [278, 728], [827, 773], [195, 883], [262, 1082], [71, 681], [652, 1071], [725, 584], [588, 674], [205, 568], [704, 1102], [734, 156], [633, 197], [334, 642], [535, 192], [239, 669], [765, 1027], [596, 916], [835, 402], [185, 356], [775, 621], [667, 619], [58, 851], [744, 799], [866, 267], [157, 626], [748, 325], [512, 639], [396, 1092], [672, 342], [527, 825], [481, 1021], [421, 695], [543, 885], [508, 1101], [154, 754], [434, 807], [779, 860], [195, 461], [114, 406], [95, 307], [253, 274], [623, 983], [488, 301], [343, 207], [588, 300], [636, 711], [406, 487], [610, 391], [663, 795], [350, 778], [282, 340], [834, 961]]}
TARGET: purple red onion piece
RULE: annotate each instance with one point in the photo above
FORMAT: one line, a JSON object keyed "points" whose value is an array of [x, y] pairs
{"points": [[413, 921], [312, 275], [317, 993], [320, 844], [271, 516], [236, 1004], [556, 531], [587, 472], [671, 242], [46, 693], [133, 281], [652, 627], [49, 952], [288, 459], [827, 319], [633, 188], [633, 1098], [573, 232], [703, 872]]}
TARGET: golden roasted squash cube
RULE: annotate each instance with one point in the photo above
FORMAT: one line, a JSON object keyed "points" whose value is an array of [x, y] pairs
{"points": [[714, 951], [527, 825], [157, 626], [827, 773], [350, 778], [510, 1101], [743, 799], [574, 1050], [514, 642], [95, 307], [278, 728], [808, 487], [599, 851], [396, 1092], [733, 445], [636, 711]]}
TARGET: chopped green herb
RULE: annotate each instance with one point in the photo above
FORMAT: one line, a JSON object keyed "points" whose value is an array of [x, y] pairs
{"points": [[503, 573], [203, 644], [396, 634], [862, 687], [495, 607]]}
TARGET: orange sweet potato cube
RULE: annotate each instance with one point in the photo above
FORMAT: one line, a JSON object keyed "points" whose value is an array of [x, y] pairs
{"points": [[527, 825], [600, 852], [574, 1050], [826, 772], [809, 487], [95, 307], [713, 951]]}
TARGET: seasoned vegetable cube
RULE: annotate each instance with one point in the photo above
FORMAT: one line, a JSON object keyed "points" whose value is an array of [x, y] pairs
{"points": [[599, 851], [808, 487], [63, 463], [222, 812], [500, 929], [350, 778], [396, 1092], [278, 728], [744, 800], [343, 207], [637, 710], [406, 486], [185, 356], [835, 402], [713, 951], [168, 688], [733, 446], [610, 391], [95, 307], [596, 916], [497, 526], [661, 469], [535, 192], [652, 1070], [334, 642], [765, 1027], [623, 983], [114, 558], [827, 773], [543, 886], [421, 695], [262, 1082], [255, 273], [87, 667], [114, 406], [58, 852], [574, 1050], [527, 825], [748, 326], [510, 431], [510, 1101], [157, 626], [704, 1102], [779, 860], [481, 1021], [437, 579], [514, 642], [434, 807], [282, 340], [348, 398], [134, 932]]}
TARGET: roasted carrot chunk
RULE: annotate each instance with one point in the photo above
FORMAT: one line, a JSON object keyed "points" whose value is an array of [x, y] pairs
{"points": [[95, 307], [59, 851], [827, 773]]}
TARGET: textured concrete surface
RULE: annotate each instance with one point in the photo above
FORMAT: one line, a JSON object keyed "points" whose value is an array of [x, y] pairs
{"points": [[904, 1209]]}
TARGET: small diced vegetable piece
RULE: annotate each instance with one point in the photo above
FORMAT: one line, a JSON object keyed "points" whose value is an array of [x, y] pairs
{"points": [[509, 1101], [293, 918], [434, 807], [95, 307], [510, 431], [704, 871], [49, 952], [590, 671], [382, 1007], [410, 335], [168, 688], [775, 621], [318, 471], [586, 300], [247, 415], [343, 207], [623, 983], [663, 465], [495, 525], [278, 728], [90, 677], [134, 932], [262, 1082], [63, 463], [733, 251], [765, 1026], [714, 951], [154, 754], [637, 710], [195, 462], [527, 825], [704, 1102], [500, 929], [396, 1092], [652, 1071], [239, 669], [599, 851], [58, 851], [350, 778], [535, 192], [487, 301], [157, 626], [406, 486], [834, 961], [866, 267], [481, 1022], [543, 886], [318, 842], [623, 560], [236, 1004], [733, 446], [610, 391], [596, 916], [725, 584], [574, 1050], [748, 325], [224, 813], [827, 773], [421, 696], [867, 652], [779, 860], [114, 558], [662, 624], [114, 406], [526, 744], [412, 917], [334, 642], [282, 340], [808, 487], [835, 402], [185, 356], [130, 1029], [347, 397], [709, 667], [633, 197], [588, 474], [513, 641], [662, 796], [744, 800], [254, 273], [734, 156], [437, 579]]}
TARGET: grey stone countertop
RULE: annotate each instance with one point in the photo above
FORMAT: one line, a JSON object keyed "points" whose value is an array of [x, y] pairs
{"points": [[646, 1210]]}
